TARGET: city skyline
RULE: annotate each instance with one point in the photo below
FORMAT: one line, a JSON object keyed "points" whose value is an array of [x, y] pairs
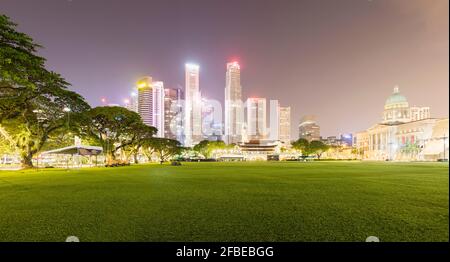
{"points": [[225, 128], [330, 67]]}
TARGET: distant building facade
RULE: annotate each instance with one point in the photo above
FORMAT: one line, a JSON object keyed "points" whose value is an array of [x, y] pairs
{"points": [[151, 103], [256, 119], [192, 109], [419, 113], [284, 127], [345, 140], [132, 103], [308, 128], [211, 121], [173, 113], [404, 134], [144, 86], [234, 111]]}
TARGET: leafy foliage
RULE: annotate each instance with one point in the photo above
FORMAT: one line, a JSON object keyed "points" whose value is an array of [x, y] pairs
{"points": [[142, 133], [318, 148], [32, 98], [207, 148], [302, 145], [308, 148], [113, 128], [164, 148]]}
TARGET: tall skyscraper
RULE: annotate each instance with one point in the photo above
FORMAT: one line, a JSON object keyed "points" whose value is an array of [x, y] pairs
{"points": [[172, 113], [132, 103], [308, 128], [158, 107], [256, 118], [234, 113], [151, 103], [285, 125], [211, 120], [192, 109], [144, 86]]}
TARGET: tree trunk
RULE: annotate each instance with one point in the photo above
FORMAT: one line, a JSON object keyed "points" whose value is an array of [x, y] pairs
{"points": [[27, 160], [135, 154], [110, 158]]}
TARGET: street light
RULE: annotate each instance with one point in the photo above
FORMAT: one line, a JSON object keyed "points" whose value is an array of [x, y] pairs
{"points": [[67, 110]]}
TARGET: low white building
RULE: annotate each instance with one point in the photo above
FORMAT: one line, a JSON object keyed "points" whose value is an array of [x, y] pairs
{"points": [[398, 137]]}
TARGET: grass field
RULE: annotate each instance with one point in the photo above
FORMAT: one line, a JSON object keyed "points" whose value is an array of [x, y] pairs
{"points": [[259, 201]]}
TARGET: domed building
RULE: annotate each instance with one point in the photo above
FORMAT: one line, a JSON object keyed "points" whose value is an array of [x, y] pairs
{"points": [[396, 109], [405, 133]]}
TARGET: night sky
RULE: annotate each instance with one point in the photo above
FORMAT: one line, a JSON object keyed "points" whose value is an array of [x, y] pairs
{"points": [[336, 59]]}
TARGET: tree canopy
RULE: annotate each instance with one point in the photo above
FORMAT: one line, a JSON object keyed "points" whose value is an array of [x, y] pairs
{"points": [[164, 148], [318, 148], [32, 98], [308, 148], [207, 148], [113, 128]]}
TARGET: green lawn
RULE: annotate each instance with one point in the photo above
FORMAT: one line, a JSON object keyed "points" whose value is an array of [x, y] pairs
{"points": [[259, 201]]}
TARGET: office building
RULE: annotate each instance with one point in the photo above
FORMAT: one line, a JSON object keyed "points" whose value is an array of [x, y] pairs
{"points": [[284, 130], [173, 113], [151, 103], [256, 119], [192, 110], [234, 113], [308, 128]]}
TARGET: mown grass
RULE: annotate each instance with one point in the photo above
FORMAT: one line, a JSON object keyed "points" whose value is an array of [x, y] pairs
{"points": [[259, 201]]}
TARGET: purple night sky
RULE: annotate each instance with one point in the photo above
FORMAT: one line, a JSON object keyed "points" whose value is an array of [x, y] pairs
{"points": [[338, 60]]}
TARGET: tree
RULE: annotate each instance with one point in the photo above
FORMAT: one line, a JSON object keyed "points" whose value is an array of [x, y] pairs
{"points": [[142, 133], [7, 144], [318, 148], [302, 145], [32, 98], [163, 147], [112, 127], [41, 118], [20, 69], [411, 149], [207, 148], [202, 148]]}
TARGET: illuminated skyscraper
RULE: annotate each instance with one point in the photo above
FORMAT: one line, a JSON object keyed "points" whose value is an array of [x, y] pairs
{"points": [[151, 103], [172, 113], [234, 114], [192, 109], [132, 103], [211, 120], [308, 128], [144, 87], [256, 118], [158, 107], [284, 131]]}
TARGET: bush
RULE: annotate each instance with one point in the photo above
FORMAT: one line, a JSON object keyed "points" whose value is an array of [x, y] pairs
{"points": [[175, 163]]}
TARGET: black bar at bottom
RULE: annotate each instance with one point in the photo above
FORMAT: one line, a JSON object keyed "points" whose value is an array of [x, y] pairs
{"points": [[224, 250]]}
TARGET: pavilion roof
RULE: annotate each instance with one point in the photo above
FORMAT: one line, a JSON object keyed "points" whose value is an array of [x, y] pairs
{"points": [[76, 150]]}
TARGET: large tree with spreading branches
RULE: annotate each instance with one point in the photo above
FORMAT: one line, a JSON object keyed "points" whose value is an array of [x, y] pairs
{"points": [[32, 98]]}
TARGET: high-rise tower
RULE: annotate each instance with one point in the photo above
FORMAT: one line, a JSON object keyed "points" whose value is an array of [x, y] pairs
{"points": [[234, 114], [256, 118], [192, 110], [151, 103]]}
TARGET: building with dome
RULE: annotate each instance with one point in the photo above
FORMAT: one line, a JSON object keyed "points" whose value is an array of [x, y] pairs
{"points": [[396, 109], [405, 133]]}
